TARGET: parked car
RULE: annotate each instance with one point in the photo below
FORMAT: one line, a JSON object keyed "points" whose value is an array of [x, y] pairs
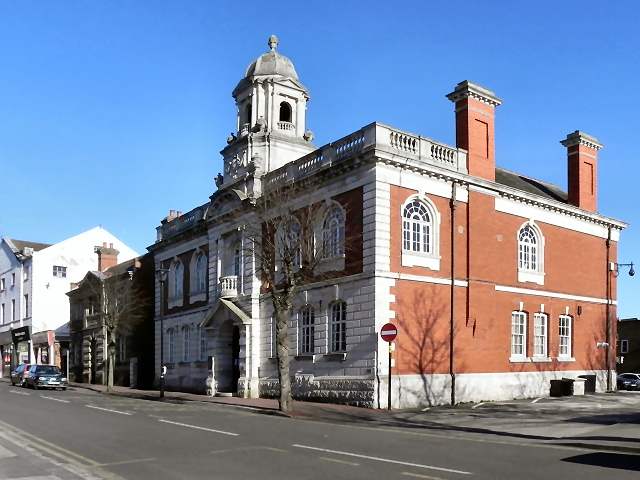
{"points": [[17, 375], [45, 376], [628, 381]]}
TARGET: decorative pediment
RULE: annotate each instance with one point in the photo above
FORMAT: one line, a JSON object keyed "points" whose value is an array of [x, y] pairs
{"points": [[224, 201]]}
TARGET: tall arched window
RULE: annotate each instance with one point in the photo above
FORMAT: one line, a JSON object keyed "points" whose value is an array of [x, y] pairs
{"points": [[201, 273], [530, 254], [288, 243], [333, 233], [247, 114], [285, 112], [420, 234], [527, 249], [178, 279], [416, 228]]}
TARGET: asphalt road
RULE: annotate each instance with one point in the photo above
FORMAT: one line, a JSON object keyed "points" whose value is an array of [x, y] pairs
{"points": [[111, 437]]}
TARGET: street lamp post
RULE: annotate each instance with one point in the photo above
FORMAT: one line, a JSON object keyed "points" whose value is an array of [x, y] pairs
{"points": [[161, 275]]}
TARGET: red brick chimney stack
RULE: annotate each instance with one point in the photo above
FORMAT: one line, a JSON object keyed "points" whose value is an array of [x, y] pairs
{"points": [[107, 257], [475, 132], [582, 166]]}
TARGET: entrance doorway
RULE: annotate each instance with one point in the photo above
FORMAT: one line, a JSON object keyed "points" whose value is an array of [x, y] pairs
{"points": [[227, 364]]}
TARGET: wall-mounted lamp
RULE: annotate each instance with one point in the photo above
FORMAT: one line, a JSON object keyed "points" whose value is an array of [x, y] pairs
{"points": [[614, 268], [602, 344]]}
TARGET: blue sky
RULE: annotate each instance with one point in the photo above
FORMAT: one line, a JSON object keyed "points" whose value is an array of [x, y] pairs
{"points": [[114, 112]]}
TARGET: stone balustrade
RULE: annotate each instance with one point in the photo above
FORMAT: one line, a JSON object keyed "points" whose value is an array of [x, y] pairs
{"points": [[377, 136]]}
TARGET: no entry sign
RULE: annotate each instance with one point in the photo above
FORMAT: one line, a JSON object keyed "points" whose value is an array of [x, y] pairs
{"points": [[388, 332]]}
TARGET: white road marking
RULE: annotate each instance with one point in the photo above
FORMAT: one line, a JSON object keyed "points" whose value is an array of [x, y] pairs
{"points": [[18, 392], [56, 399], [537, 400], [108, 410], [199, 428], [387, 460], [477, 405]]}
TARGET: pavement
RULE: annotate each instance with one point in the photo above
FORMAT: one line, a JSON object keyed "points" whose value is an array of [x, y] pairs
{"points": [[602, 422]]}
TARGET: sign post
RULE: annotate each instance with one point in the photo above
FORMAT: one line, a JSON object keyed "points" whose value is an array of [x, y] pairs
{"points": [[388, 333]]}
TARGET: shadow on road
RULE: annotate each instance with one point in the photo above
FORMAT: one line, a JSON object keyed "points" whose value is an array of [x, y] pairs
{"points": [[607, 460]]}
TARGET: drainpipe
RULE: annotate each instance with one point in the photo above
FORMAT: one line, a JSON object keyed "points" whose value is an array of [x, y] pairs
{"points": [[454, 204], [608, 313]]}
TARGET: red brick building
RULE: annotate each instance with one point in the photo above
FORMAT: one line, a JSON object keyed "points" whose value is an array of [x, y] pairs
{"points": [[498, 283]]}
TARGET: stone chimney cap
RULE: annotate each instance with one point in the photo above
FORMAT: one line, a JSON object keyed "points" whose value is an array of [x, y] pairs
{"points": [[581, 138], [469, 89]]}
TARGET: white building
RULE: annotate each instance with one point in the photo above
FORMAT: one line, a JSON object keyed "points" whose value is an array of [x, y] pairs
{"points": [[34, 280]]}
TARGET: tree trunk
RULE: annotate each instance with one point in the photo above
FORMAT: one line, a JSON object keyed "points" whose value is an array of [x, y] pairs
{"points": [[111, 360], [282, 350]]}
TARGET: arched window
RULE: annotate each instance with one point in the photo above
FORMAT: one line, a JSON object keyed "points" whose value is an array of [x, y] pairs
{"points": [[416, 228], [201, 273], [306, 328], [420, 234], [333, 233], [527, 249], [288, 243], [247, 114], [178, 279], [285, 112], [530, 254]]}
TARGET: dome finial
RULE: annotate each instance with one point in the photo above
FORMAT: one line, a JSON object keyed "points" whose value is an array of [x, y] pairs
{"points": [[273, 42]]}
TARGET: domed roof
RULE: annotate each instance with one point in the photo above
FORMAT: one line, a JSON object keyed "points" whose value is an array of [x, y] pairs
{"points": [[272, 63]]}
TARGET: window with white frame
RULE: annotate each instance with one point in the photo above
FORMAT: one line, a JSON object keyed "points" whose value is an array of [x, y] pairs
{"points": [[624, 346], [13, 277], [338, 328], [518, 335], [564, 336], [171, 334], [13, 310], [178, 279], [59, 271], [2, 313], [203, 344], [539, 335], [420, 225], [530, 254], [306, 328], [186, 344], [333, 233], [2, 284], [416, 228], [26, 305]]}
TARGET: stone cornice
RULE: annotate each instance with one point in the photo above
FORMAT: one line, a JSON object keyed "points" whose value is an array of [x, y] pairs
{"points": [[504, 191], [580, 138], [469, 89]]}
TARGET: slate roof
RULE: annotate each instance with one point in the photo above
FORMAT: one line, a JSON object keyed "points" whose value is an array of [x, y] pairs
{"points": [[530, 185], [18, 245]]}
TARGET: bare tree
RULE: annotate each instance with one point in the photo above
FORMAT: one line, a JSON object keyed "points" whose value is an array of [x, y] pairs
{"points": [[290, 246], [121, 310]]}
